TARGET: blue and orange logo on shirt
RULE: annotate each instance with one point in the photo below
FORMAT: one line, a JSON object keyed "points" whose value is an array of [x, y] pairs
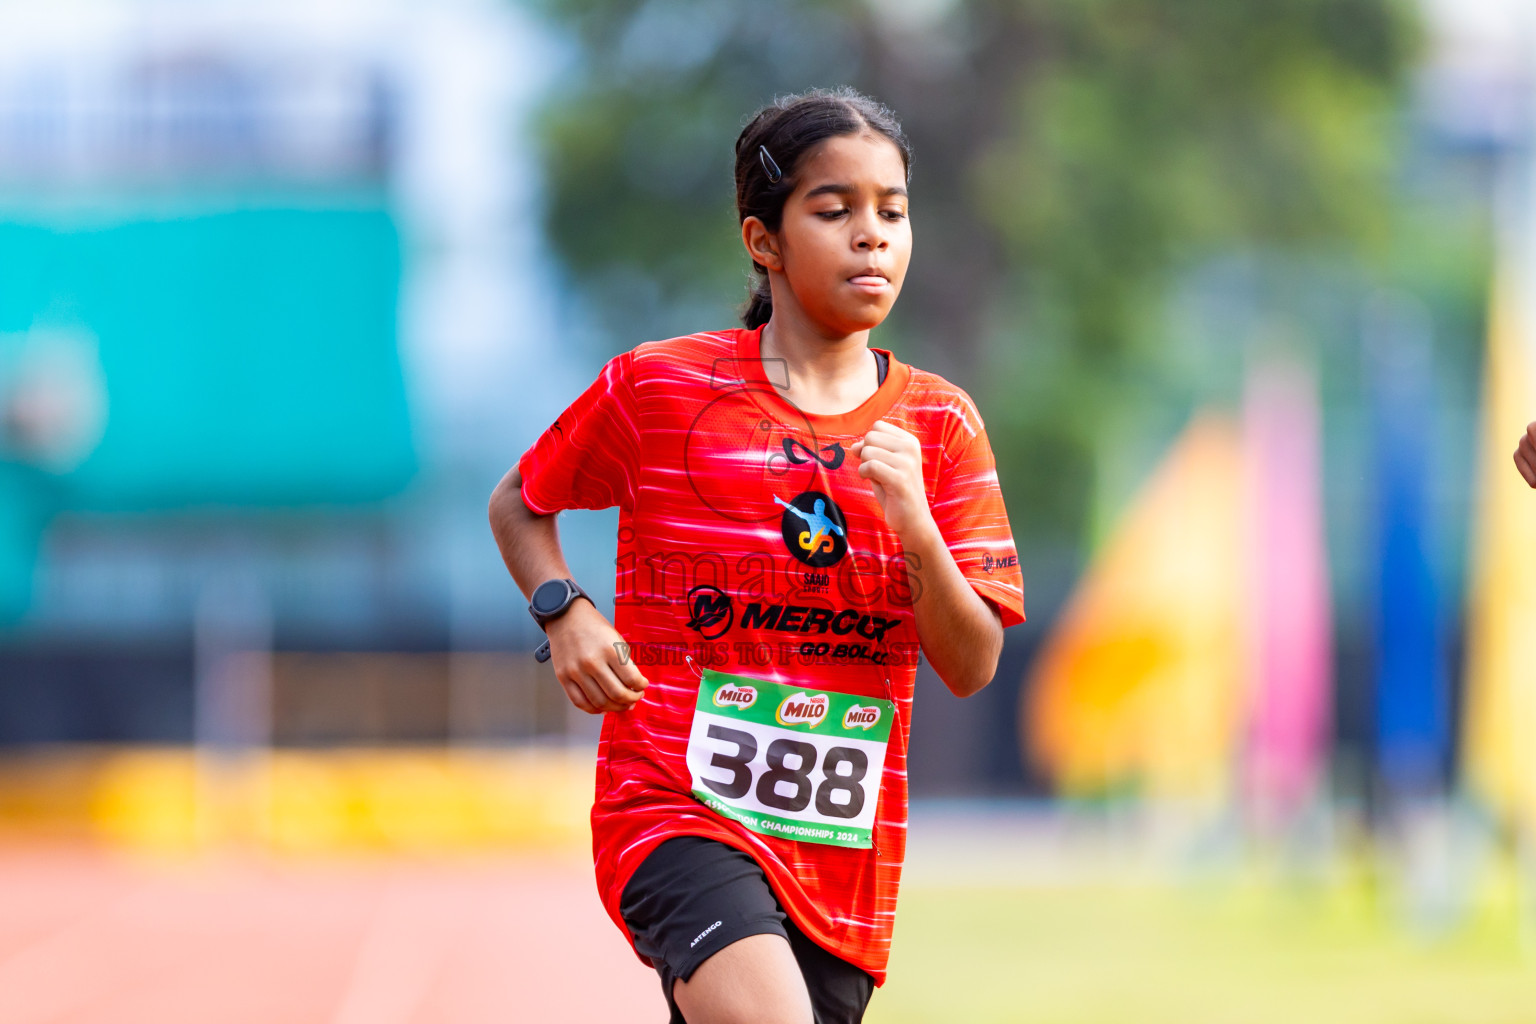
{"points": [[814, 529]]}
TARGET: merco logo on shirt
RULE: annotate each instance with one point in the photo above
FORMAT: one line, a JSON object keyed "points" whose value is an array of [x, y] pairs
{"points": [[729, 696], [802, 709], [860, 718]]}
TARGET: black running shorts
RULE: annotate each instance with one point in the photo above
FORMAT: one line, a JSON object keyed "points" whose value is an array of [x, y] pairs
{"points": [[693, 896]]}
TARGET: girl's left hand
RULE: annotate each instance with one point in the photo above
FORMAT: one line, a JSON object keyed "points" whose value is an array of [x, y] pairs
{"points": [[1525, 455], [891, 459]]}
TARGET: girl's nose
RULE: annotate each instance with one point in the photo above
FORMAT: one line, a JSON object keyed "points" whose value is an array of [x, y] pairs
{"points": [[873, 240], [869, 234]]}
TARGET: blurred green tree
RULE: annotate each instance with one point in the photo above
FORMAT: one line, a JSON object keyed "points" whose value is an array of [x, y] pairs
{"points": [[1073, 159]]}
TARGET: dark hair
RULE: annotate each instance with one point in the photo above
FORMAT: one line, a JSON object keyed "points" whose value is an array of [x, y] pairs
{"points": [[771, 146]]}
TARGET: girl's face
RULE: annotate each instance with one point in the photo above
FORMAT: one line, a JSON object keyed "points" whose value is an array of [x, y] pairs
{"points": [[845, 238]]}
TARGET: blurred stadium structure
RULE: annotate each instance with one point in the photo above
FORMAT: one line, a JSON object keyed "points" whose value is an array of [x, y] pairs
{"points": [[273, 298], [285, 288], [268, 271]]}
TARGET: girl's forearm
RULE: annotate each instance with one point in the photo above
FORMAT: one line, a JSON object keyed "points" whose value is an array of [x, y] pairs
{"points": [[961, 634], [529, 542], [583, 645]]}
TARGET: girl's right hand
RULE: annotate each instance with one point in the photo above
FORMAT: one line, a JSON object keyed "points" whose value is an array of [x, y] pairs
{"points": [[584, 649]]}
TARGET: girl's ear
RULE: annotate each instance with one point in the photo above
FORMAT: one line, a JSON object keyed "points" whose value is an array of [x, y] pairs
{"points": [[761, 244]]}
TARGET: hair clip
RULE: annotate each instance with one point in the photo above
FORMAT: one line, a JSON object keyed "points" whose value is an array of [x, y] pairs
{"points": [[770, 167]]}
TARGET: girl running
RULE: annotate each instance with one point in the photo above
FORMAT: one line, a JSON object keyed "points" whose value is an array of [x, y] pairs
{"points": [[800, 515]]}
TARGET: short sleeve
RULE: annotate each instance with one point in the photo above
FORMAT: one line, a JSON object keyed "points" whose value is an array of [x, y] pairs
{"points": [[968, 507], [589, 457]]}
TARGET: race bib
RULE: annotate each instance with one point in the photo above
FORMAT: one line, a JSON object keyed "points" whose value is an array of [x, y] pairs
{"points": [[798, 763]]}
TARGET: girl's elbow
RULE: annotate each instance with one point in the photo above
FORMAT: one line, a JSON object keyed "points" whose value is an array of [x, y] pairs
{"points": [[966, 688], [981, 683], [984, 673], [973, 683]]}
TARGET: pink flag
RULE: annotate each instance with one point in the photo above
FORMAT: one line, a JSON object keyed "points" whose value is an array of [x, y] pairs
{"points": [[1289, 634]]}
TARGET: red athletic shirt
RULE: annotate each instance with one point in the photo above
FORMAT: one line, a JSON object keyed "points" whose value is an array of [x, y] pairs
{"points": [[697, 441]]}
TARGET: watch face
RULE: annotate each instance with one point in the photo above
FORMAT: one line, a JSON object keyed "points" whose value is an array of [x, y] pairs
{"points": [[549, 596]]}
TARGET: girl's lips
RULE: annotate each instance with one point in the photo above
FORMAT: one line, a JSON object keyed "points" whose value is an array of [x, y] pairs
{"points": [[873, 282]]}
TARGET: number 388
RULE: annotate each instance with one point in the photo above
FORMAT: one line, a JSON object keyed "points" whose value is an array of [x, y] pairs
{"points": [[844, 767]]}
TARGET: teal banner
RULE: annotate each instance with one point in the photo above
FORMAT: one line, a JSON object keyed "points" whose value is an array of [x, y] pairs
{"points": [[246, 358]]}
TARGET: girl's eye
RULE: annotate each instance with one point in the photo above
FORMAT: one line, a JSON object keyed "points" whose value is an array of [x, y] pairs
{"points": [[830, 214], [894, 214]]}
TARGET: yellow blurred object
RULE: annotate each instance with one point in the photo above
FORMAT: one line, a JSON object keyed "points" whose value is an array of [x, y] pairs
{"points": [[146, 798], [1140, 684], [1500, 724], [420, 799]]}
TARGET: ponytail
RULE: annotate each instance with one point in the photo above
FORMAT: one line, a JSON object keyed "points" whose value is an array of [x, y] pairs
{"points": [[759, 307]]}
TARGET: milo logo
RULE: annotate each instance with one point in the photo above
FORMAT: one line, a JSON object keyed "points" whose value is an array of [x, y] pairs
{"points": [[729, 696], [800, 709], [862, 718]]}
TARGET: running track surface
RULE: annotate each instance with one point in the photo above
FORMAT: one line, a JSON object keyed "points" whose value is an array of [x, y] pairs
{"points": [[92, 938]]}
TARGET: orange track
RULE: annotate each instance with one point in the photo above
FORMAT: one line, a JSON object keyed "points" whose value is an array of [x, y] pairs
{"points": [[92, 938]]}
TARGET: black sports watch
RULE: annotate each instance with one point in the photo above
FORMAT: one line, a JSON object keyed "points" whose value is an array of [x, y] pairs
{"points": [[550, 600]]}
